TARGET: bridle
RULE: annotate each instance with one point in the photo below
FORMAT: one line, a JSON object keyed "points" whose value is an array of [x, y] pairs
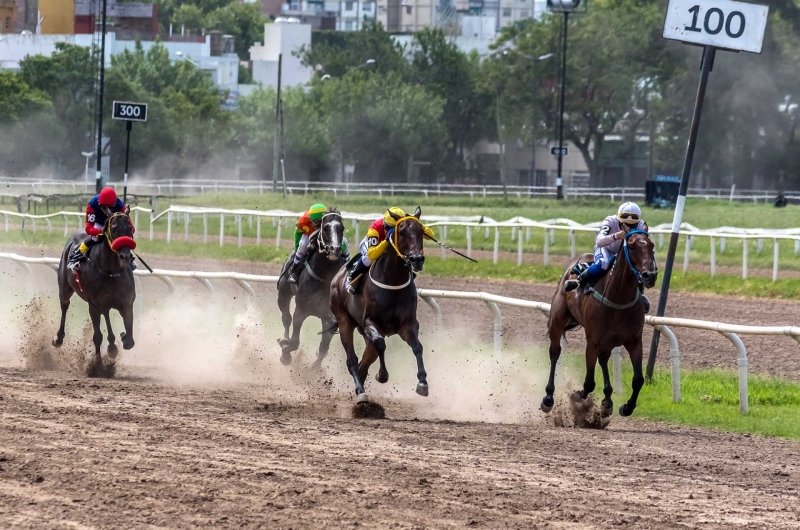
{"points": [[627, 254], [602, 297], [107, 229], [321, 235], [395, 234]]}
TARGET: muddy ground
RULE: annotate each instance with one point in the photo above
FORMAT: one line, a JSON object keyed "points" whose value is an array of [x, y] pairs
{"points": [[204, 428]]}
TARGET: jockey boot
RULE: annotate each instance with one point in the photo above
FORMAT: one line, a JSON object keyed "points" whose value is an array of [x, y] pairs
{"points": [[297, 267], [80, 253], [580, 281], [358, 268]]}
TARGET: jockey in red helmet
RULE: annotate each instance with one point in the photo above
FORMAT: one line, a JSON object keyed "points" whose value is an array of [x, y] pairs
{"points": [[99, 209]]}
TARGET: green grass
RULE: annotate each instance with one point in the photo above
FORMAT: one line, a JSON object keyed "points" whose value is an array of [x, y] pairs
{"points": [[709, 399], [454, 267]]}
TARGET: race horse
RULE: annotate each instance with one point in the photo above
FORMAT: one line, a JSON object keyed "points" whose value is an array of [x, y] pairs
{"points": [[313, 287], [611, 313], [104, 281], [384, 305]]}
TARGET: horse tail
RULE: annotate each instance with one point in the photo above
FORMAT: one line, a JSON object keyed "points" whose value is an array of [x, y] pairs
{"points": [[333, 329]]}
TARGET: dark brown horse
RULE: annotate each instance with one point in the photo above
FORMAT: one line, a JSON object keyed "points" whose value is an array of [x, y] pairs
{"points": [[612, 314], [105, 282], [385, 305], [313, 287]]}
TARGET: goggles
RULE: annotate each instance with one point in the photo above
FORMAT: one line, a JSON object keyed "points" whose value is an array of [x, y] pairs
{"points": [[632, 216]]}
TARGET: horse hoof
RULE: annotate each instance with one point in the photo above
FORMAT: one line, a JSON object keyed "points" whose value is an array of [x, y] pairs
{"points": [[362, 398], [283, 342], [422, 389], [547, 404], [625, 410], [384, 377], [127, 343], [57, 342], [112, 351], [286, 359], [577, 397]]}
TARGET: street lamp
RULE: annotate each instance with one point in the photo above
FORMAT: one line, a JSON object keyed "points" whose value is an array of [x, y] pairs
{"points": [[88, 155], [566, 7], [183, 57]]}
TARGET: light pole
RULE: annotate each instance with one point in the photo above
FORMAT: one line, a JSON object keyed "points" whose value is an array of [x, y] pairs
{"points": [[88, 155], [566, 7]]}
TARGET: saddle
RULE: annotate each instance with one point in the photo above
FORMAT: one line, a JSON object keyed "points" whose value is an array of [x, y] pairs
{"points": [[582, 266]]}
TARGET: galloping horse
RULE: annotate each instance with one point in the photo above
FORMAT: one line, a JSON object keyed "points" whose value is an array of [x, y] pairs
{"points": [[313, 288], [612, 315], [385, 305], [105, 282]]}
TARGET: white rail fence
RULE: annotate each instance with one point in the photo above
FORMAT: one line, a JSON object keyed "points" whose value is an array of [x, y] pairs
{"points": [[195, 186], [283, 219], [492, 301]]}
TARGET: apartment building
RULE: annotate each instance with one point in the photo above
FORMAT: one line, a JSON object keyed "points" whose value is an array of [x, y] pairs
{"points": [[330, 15]]}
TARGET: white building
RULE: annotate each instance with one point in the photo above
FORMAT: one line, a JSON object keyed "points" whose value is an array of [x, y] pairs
{"points": [[340, 15], [281, 38], [222, 66]]}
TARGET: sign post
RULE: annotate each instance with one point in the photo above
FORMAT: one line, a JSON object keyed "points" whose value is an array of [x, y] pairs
{"points": [[129, 112], [713, 24]]}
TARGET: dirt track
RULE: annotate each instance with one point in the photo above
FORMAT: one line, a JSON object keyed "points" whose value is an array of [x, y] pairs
{"points": [[203, 428], [134, 453]]}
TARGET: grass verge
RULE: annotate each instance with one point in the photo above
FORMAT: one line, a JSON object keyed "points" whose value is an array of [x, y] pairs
{"points": [[709, 399]]}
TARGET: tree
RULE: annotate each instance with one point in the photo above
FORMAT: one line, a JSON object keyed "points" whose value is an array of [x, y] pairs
{"points": [[242, 20]]}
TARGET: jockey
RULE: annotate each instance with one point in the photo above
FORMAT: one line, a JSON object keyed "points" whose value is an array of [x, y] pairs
{"points": [[99, 209], [609, 240], [307, 225], [375, 242]]}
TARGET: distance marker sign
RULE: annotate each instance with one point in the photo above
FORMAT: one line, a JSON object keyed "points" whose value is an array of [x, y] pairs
{"points": [[123, 110], [720, 23]]}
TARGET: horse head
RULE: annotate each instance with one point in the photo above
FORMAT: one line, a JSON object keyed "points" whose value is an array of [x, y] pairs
{"points": [[118, 232], [641, 257], [408, 240], [331, 234]]}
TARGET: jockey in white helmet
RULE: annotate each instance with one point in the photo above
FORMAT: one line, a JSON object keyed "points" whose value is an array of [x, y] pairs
{"points": [[609, 240]]}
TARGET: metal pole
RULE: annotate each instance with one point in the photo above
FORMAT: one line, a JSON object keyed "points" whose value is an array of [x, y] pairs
{"points": [[559, 180], [709, 52], [532, 181], [128, 125], [276, 150], [99, 175]]}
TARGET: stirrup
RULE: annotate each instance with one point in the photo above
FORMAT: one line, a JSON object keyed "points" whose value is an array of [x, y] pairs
{"points": [[571, 285]]}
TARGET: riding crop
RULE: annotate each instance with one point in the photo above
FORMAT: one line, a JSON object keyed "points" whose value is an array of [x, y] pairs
{"points": [[451, 249]]}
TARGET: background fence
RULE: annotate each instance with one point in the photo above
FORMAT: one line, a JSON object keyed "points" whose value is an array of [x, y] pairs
{"points": [[492, 301]]}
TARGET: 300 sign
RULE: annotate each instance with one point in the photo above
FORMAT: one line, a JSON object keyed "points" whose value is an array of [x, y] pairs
{"points": [[129, 111]]}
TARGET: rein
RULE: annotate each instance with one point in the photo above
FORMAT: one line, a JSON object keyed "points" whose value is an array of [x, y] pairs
{"points": [[393, 242], [602, 297], [321, 236]]}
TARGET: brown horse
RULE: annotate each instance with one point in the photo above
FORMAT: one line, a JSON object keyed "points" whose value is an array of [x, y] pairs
{"points": [[385, 305], [105, 282], [612, 314]]}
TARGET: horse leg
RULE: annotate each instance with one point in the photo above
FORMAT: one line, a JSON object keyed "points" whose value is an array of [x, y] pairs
{"points": [[286, 315], [591, 362], [367, 360], [635, 352], [58, 340], [410, 334], [607, 404], [346, 328], [112, 350], [555, 330], [97, 338], [288, 346], [325, 342], [127, 322], [374, 338]]}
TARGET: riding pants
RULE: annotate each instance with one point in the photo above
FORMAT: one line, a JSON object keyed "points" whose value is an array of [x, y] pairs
{"points": [[363, 248], [602, 261], [302, 248]]}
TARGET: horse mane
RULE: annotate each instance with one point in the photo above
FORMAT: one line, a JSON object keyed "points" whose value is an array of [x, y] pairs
{"points": [[333, 209]]}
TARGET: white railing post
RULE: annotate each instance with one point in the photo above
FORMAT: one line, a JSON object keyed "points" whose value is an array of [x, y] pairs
{"points": [[496, 254], [616, 366], [152, 217], [356, 228], [258, 230], [546, 260], [436, 309], [469, 241], [519, 249], [675, 364], [744, 258], [686, 254], [744, 403], [572, 237], [221, 229], [713, 257], [775, 261], [444, 241], [278, 235], [66, 225], [186, 221], [205, 228], [169, 226], [135, 220], [239, 228], [497, 328]]}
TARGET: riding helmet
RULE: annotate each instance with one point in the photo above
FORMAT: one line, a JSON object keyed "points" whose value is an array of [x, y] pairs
{"points": [[108, 197], [629, 213], [388, 220], [316, 212]]}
